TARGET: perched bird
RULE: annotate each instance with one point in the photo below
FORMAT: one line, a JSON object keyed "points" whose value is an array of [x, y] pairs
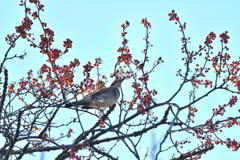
{"points": [[101, 99]]}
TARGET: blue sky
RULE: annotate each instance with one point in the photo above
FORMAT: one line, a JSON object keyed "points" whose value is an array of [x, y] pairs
{"points": [[94, 28]]}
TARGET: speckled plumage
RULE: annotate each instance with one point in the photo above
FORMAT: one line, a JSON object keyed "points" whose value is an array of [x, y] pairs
{"points": [[101, 99]]}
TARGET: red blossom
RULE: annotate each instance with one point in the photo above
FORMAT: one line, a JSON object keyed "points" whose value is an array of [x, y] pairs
{"points": [[74, 63], [34, 15], [87, 68], [72, 154], [38, 4], [208, 143], [48, 32], [147, 100], [235, 70], [146, 23], [67, 75], [102, 124], [219, 111], [233, 144], [10, 88], [173, 16], [45, 68], [70, 130], [144, 78], [211, 36], [88, 83], [208, 83], [125, 25], [233, 101], [25, 26], [98, 61], [126, 58], [192, 111], [53, 55], [229, 124], [141, 108], [67, 43], [46, 39], [34, 1], [224, 37], [123, 49], [137, 88], [22, 84]]}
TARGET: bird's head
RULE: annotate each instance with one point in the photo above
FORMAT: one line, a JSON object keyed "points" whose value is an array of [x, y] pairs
{"points": [[117, 83]]}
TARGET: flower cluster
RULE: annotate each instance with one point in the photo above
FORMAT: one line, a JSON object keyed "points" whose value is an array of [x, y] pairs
{"points": [[144, 78], [64, 74], [196, 83], [219, 111], [231, 123], [87, 69], [46, 40], [70, 130], [67, 43], [34, 15], [74, 63], [146, 23], [173, 16], [24, 27], [209, 39], [45, 68], [126, 58], [10, 39], [233, 144], [234, 78], [38, 4], [233, 101], [192, 111], [224, 37], [53, 55], [125, 25], [222, 108], [144, 98], [101, 123], [98, 62]]}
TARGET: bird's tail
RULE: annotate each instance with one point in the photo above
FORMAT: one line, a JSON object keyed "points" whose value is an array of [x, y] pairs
{"points": [[72, 104], [82, 104]]}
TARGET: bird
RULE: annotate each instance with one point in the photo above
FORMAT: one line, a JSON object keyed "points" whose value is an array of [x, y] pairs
{"points": [[101, 99]]}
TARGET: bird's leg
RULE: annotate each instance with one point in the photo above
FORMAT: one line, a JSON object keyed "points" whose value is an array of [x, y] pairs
{"points": [[100, 112]]}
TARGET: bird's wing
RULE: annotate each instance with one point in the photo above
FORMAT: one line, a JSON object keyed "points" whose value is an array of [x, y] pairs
{"points": [[91, 98], [96, 95]]}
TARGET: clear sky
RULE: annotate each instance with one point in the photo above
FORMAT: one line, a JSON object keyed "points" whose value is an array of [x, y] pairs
{"points": [[94, 28]]}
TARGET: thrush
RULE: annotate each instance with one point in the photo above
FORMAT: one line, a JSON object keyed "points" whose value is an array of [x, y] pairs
{"points": [[101, 99]]}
